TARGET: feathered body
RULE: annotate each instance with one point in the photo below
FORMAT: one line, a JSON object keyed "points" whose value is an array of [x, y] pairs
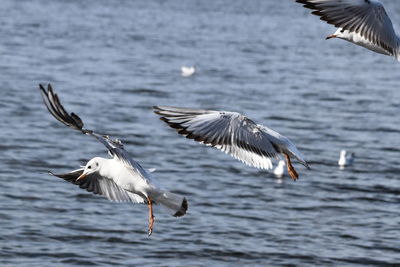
{"points": [[362, 22], [120, 178], [234, 134]]}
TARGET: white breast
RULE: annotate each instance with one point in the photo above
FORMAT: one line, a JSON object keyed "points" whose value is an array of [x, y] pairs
{"points": [[127, 178], [357, 39]]}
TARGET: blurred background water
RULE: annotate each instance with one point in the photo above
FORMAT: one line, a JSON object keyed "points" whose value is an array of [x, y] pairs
{"points": [[110, 61]]}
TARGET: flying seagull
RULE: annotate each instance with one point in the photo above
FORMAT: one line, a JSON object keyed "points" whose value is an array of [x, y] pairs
{"points": [[119, 178], [362, 22], [233, 133]]}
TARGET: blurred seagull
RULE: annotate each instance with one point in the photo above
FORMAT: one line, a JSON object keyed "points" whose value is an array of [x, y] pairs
{"points": [[346, 159], [362, 22], [279, 170], [120, 178], [188, 71], [232, 133]]}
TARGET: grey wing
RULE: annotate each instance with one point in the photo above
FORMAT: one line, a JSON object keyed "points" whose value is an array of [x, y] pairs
{"points": [[284, 145], [365, 17], [230, 132], [115, 147], [102, 186]]}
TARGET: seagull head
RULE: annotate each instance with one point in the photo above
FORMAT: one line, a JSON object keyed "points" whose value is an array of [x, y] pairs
{"points": [[91, 167]]}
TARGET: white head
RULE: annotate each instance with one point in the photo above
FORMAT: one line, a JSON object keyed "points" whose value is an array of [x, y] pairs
{"points": [[343, 153], [340, 33], [91, 167]]}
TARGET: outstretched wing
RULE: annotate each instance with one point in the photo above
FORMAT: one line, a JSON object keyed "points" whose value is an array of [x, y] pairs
{"points": [[99, 185], [115, 147], [365, 17], [230, 132]]}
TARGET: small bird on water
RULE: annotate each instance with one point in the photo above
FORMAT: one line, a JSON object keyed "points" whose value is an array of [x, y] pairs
{"points": [[279, 170], [233, 133], [346, 159], [188, 71], [120, 178]]}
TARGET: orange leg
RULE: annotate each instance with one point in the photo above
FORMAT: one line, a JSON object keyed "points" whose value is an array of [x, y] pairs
{"points": [[151, 216], [292, 172]]}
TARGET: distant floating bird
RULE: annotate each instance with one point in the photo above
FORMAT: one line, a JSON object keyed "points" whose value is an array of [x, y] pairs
{"points": [[188, 71], [279, 170], [120, 178], [346, 159], [362, 22], [232, 133]]}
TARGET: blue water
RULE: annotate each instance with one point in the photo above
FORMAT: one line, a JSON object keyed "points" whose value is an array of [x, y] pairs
{"points": [[110, 61]]}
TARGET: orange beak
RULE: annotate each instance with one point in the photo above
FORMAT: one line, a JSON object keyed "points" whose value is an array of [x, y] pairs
{"points": [[330, 37], [82, 176]]}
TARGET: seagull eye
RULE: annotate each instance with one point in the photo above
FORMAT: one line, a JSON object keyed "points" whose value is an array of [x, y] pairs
{"points": [[89, 167]]}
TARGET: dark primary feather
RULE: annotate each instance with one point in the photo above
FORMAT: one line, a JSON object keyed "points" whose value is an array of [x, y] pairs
{"points": [[89, 183], [96, 184], [54, 106], [73, 121]]}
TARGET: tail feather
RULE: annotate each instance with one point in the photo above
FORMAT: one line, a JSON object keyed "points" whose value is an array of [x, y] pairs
{"points": [[176, 204]]}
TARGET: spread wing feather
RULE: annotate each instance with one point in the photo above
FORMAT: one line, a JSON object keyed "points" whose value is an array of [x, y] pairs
{"points": [[102, 186], [73, 121], [368, 18], [230, 132]]}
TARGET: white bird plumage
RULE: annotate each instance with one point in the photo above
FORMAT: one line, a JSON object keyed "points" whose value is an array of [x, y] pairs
{"points": [[346, 159], [232, 133], [279, 170], [119, 178], [362, 22], [188, 71]]}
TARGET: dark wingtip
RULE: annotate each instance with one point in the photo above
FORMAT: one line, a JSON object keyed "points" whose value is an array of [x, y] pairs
{"points": [[157, 110], [42, 89], [183, 209], [50, 89], [307, 166]]}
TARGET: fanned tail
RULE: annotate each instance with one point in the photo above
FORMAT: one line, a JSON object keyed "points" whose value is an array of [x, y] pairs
{"points": [[177, 204]]}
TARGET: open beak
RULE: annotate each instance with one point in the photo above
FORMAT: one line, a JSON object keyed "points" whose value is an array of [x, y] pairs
{"points": [[330, 37], [82, 176]]}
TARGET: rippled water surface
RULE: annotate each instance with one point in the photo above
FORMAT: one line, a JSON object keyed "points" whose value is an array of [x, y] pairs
{"points": [[110, 61]]}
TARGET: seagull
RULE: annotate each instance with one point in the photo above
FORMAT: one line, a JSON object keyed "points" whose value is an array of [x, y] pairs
{"points": [[362, 22], [119, 178], [233, 133], [279, 171], [188, 71], [346, 159]]}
